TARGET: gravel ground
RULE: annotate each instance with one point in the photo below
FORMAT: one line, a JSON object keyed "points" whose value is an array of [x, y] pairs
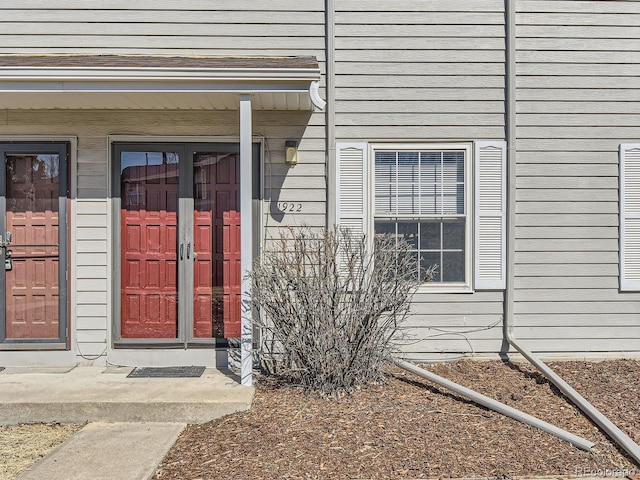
{"points": [[408, 428], [22, 445]]}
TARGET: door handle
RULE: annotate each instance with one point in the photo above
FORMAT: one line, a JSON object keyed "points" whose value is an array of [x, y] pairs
{"points": [[188, 250], [182, 251], [7, 240]]}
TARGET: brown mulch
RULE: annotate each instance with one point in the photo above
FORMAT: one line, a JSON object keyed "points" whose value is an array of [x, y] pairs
{"points": [[409, 428]]}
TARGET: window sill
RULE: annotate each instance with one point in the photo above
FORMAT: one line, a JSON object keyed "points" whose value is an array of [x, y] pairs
{"points": [[448, 288]]}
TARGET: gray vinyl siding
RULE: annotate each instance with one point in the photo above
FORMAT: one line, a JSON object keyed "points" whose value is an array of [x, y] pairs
{"points": [[420, 70], [164, 27], [426, 71], [577, 66]]}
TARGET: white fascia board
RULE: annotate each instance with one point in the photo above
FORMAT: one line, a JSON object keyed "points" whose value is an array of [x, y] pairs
{"points": [[153, 74], [140, 85], [53, 80]]}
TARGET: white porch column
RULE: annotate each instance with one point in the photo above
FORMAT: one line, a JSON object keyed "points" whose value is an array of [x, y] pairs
{"points": [[246, 238]]}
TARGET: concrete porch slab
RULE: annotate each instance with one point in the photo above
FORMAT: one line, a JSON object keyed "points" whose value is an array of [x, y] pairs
{"points": [[101, 394]]}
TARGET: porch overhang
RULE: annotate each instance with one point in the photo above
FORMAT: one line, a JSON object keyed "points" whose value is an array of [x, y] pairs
{"points": [[158, 82]]}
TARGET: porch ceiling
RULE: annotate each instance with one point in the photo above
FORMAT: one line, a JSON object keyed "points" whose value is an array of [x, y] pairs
{"points": [[157, 82]]}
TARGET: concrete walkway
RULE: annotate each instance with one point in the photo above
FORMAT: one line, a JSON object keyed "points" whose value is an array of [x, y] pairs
{"points": [[131, 422], [105, 394], [108, 451]]}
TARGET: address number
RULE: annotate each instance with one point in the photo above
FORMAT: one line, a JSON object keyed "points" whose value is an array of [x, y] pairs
{"points": [[289, 207]]}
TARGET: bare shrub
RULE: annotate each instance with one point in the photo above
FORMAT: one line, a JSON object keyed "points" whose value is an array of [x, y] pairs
{"points": [[331, 305]]}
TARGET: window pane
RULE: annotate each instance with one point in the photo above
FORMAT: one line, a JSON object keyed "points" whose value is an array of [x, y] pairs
{"points": [[32, 185], [429, 200], [430, 235], [428, 260], [409, 231], [453, 235], [385, 167], [451, 202], [385, 183], [408, 199], [430, 163], [382, 227], [385, 199], [453, 266], [453, 166], [408, 167], [413, 258]]}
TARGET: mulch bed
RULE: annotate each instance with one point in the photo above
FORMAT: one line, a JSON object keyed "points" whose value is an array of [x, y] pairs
{"points": [[409, 428]]}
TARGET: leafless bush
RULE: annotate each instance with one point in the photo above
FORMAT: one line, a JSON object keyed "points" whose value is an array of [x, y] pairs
{"points": [[331, 305]]}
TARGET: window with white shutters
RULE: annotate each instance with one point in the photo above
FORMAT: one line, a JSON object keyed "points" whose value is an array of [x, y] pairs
{"points": [[421, 195], [446, 200]]}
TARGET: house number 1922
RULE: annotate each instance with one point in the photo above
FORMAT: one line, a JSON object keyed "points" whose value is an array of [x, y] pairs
{"points": [[289, 207]]}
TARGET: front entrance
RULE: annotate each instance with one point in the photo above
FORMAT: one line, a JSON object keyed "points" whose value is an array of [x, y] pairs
{"points": [[33, 245], [178, 264]]}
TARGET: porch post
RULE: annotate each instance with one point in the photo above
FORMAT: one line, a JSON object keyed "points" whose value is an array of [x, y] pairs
{"points": [[246, 236]]}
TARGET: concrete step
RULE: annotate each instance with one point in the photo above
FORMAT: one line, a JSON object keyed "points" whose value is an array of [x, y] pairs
{"points": [[105, 394]]}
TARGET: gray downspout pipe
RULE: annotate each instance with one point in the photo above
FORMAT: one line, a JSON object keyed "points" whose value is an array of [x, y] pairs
{"points": [[330, 116], [603, 422], [497, 406]]}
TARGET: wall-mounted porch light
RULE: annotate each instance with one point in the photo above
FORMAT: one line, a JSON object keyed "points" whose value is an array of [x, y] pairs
{"points": [[291, 152]]}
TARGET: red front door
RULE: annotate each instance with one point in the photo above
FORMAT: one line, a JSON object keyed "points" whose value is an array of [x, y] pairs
{"points": [[33, 243], [149, 225], [171, 257], [217, 269]]}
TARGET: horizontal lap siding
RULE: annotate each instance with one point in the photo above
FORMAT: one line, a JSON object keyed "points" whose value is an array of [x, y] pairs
{"points": [[164, 27], [428, 71], [577, 66], [419, 70]]}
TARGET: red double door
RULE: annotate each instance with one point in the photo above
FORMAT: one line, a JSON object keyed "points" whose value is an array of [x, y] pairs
{"points": [[180, 271]]}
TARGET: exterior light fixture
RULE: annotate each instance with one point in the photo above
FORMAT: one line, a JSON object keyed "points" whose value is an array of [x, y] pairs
{"points": [[291, 152]]}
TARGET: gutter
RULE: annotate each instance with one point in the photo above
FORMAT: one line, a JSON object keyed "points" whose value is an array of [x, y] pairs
{"points": [[617, 435]]}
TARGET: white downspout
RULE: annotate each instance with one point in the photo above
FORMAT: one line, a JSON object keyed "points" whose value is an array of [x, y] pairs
{"points": [[497, 406], [603, 422]]}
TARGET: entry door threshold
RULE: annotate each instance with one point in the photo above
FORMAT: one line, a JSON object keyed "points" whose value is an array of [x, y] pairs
{"points": [[8, 345]]}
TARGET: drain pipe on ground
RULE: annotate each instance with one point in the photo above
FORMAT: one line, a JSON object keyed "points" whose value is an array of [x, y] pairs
{"points": [[603, 422], [492, 404]]}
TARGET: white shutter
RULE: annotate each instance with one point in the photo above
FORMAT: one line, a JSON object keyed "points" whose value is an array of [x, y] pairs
{"points": [[630, 217], [490, 215], [352, 198]]}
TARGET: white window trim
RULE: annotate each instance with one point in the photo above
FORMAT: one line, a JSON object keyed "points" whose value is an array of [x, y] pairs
{"points": [[432, 287]]}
